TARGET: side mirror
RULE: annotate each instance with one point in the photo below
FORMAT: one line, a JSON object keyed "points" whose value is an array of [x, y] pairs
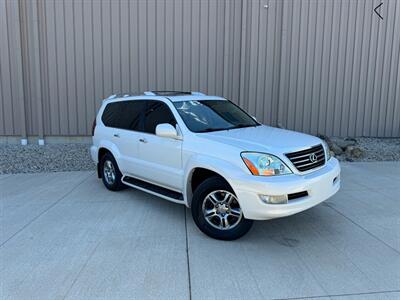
{"points": [[166, 130]]}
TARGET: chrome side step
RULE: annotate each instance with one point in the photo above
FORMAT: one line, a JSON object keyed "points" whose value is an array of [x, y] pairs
{"points": [[153, 189]]}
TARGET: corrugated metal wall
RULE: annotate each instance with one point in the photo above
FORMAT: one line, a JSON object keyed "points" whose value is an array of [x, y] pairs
{"points": [[322, 66]]}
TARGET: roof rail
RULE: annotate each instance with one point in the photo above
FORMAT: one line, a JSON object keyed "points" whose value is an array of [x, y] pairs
{"points": [[172, 93], [197, 94], [121, 95], [111, 97]]}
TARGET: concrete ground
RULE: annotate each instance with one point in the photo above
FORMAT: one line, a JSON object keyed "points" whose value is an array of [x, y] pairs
{"points": [[64, 236]]}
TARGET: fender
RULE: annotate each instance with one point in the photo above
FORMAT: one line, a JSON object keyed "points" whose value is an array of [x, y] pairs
{"points": [[222, 167], [112, 148]]}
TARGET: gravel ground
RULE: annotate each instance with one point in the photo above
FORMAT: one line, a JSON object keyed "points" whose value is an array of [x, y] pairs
{"points": [[76, 157], [48, 158], [376, 149]]}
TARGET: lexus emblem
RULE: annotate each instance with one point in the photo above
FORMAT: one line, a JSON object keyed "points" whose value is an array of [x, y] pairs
{"points": [[313, 157]]}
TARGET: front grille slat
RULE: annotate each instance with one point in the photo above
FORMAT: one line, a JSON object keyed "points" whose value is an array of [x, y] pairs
{"points": [[302, 159], [305, 165], [291, 156], [316, 165], [305, 158]]}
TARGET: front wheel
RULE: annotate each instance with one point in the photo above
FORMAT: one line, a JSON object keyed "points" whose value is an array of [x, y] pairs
{"points": [[217, 212]]}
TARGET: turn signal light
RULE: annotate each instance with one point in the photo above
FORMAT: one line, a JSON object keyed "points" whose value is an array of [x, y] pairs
{"points": [[251, 167]]}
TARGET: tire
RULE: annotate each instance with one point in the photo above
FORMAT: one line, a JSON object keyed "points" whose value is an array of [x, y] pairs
{"points": [[110, 173], [222, 219]]}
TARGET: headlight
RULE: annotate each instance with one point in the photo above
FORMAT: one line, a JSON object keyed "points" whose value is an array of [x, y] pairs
{"points": [[262, 164], [327, 151]]}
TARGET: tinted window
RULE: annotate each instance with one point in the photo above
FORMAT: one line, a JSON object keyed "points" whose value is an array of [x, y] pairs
{"points": [[213, 115], [125, 115], [156, 113], [111, 114]]}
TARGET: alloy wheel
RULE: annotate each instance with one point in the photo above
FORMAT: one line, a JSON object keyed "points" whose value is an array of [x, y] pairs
{"points": [[109, 172], [222, 210]]}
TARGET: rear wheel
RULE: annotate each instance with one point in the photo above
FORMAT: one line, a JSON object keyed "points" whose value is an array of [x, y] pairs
{"points": [[217, 212], [110, 173]]}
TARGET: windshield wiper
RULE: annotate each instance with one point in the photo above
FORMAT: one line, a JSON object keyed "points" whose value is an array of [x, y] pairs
{"points": [[210, 129], [243, 126]]}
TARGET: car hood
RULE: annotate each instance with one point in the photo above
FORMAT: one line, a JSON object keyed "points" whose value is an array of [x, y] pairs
{"points": [[263, 138]]}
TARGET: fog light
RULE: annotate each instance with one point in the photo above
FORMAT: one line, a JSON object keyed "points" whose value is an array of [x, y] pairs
{"points": [[279, 199]]}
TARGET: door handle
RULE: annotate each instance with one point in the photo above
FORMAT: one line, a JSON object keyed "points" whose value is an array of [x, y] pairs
{"points": [[143, 141], [116, 135]]}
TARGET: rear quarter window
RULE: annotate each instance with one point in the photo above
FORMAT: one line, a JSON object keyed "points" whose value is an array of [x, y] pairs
{"points": [[111, 114]]}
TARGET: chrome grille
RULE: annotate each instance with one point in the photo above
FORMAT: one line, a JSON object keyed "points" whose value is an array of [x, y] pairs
{"points": [[308, 159]]}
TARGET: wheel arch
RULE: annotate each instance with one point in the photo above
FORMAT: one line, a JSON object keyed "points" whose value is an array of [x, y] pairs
{"points": [[102, 151], [196, 176], [107, 147]]}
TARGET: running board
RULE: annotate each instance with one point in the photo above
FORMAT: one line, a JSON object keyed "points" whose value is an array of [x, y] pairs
{"points": [[153, 189]]}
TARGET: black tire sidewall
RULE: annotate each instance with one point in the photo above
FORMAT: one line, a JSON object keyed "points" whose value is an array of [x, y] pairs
{"points": [[118, 185], [206, 187]]}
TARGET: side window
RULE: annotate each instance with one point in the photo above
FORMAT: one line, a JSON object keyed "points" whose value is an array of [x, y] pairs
{"points": [[111, 115], [156, 113], [132, 115], [125, 115]]}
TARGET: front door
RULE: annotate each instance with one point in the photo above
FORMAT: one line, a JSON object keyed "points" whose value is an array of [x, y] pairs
{"points": [[161, 157]]}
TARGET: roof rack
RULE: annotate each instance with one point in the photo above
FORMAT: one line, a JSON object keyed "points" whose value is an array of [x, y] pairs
{"points": [[172, 93], [197, 94], [121, 95]]}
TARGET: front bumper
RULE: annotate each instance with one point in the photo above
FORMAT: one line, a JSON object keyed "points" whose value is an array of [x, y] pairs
{"points": [[320, 185]]}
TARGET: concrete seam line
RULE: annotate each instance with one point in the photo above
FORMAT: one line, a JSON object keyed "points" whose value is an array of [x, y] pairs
{"points": [[339, 295], [81, 269], [46, 210], [362, 228], [187, 255]]}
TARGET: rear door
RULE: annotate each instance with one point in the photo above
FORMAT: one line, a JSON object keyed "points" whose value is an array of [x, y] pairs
{"points": [[161, 158], [112, 130], [131, 125], [125, 121]]}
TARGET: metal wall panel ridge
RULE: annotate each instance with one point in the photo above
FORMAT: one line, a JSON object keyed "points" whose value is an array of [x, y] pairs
{"points": [[317, 66]]}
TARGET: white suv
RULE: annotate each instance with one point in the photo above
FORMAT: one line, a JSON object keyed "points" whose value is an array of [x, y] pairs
{"points": [[208, 154]]}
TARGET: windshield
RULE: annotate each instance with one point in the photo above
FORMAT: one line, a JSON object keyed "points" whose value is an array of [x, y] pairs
{"points": [[213, 115]]}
